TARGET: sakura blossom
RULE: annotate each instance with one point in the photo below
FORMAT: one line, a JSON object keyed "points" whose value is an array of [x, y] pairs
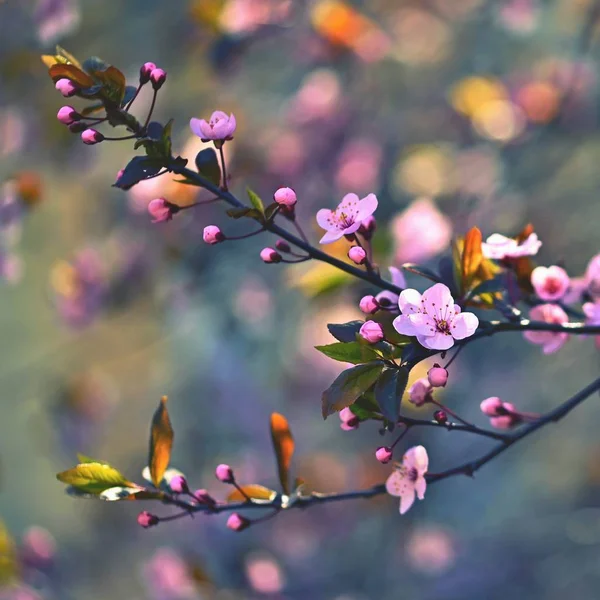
{"points": [[550, 283], [434, 318], [408, 479], [549, 340], [347, 217], [218, 128], [498, 247]]}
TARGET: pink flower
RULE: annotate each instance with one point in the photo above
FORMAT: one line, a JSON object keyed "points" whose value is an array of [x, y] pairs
{"points": [[219, 128], [347, 217], [66, 87], [357, 255], [549, 340], [437, 376], [408, 479], [592, 313], [158, 77], [420, 232], [504, 415], [268, 255], [212, 235], [434, 318], [420, 392], [498, 246], [369, 305], [349, 420], [160, 210], [491, 406], [178, 484], [224, 473], [371, 331], [146, 519], [67, 115], [550, 283], [285, 196], [236, 522], [389, 299], [145, 71], [384, 454], [91, 137]]}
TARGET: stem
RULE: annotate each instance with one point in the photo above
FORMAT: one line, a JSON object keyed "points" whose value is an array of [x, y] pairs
{"points": [[150, 111], [223, 167], [137, 91], [300, 230], [451, 412]]}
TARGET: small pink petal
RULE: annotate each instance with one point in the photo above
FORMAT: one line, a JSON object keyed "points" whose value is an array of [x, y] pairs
{"points": [[420, 487], [407, 500], [464, 325], [409, 301], [403, 325], [325, 219], [331, 236], [417, 458], [437, 299], [367, 207]]}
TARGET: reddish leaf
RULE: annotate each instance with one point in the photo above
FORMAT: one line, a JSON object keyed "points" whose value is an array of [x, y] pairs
{"points": [[254, 491], [471, 257], [161, 442], [71, 72], [283, 444]]}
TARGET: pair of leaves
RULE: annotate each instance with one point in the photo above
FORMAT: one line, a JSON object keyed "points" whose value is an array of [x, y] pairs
{"points": [[256, 210]]}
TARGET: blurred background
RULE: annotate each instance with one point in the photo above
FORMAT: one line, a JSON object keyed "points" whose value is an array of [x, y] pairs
{"points": [[455, 113]]}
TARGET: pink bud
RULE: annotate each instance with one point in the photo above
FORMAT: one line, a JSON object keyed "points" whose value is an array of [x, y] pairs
{"points": [[369, 305], [372, 332], [384, 454], [285, 196], [38, 548], [420, 392], [146, 519], [349, 420], [157, 77], [368, 227], [437, 376], [236, 522], [204, 497], [91, 137], [357, 255], [67, 115], [550, 283], [269, 255], [178, 484], [212, 235], [161, 210], [282, 246], [491, 406], [224, 473], [440, 416], [145, 71], [66, 87]]}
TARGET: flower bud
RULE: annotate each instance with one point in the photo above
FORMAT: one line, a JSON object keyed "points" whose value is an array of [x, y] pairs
{"points": [[491, 407], [269, 255], [146, 519], [38, 548], [145, 71], [203, 497], [282, 246], [91, 137], [357, 255], [384, 454], [437, 376], [66, 87], [372, 332], [158, 77], [224, 473], [161, 210], [236, 522], [369, 305], [212, 235], [285, 197], [349, 420], [67, 115], [419, 392], [440, 416], [178, 484]]}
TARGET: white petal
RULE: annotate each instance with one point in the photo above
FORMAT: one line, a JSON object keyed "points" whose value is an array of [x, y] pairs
{"points": [[403, 325], [420, 487], [409, 301], [416, 458], [464, 325], [437, 300], [407, 500]]}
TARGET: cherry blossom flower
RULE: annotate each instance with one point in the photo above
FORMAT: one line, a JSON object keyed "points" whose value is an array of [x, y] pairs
{"points": [[347, 217], [550, 283], [592, 313], [419, 392], [389, 299], [498, 246], [503, 415], [408, 478], [434, 318], [219, 128], [549, 340]]}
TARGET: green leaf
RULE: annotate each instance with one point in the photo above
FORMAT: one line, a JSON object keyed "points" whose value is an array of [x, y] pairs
{"points": [[348, 386], [83, 459], [239, 213], [389, 390], [345, 332], [271, 211], [422, 271], [350, 352], [208, 166], [491, 286], [92, 477], [138, 169], [255, 201], [161, 442], [165, 139], [366, 407]]}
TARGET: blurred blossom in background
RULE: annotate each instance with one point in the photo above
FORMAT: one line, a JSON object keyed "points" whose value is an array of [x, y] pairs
{"points": [[455, 113]]}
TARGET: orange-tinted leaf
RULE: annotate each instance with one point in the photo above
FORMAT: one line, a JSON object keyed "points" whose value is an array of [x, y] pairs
{"points": [[49, 60], [525, 233], [161, 442], [471, 257], [71, 72], [283, 444], [114, 82], [254, 491]]}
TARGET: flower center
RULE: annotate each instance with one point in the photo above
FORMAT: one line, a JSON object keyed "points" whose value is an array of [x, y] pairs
{"points": [[413, 474], [552, 285], [443, 326], [345, 220]]}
